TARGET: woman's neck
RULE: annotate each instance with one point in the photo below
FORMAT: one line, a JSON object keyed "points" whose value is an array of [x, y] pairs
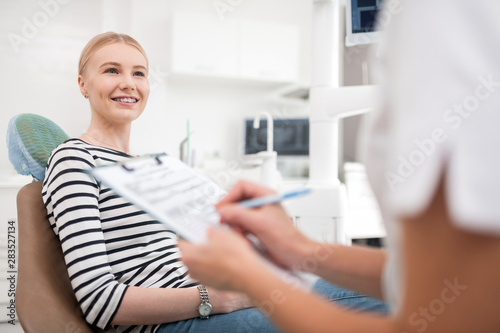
{"points": [[107, 140], [105, 133]]}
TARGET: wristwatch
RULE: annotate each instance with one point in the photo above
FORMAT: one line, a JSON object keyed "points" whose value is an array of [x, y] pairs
{"points": [[205, 308]]}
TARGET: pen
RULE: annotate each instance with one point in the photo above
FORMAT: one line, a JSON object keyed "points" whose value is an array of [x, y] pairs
{"points": [[273, 198]]}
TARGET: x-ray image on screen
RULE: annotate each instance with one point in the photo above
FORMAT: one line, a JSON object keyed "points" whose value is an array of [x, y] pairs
{"points": [[291, 137]]}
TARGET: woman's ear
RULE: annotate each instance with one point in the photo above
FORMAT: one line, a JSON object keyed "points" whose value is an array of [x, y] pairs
{"points": [[81, 84]]}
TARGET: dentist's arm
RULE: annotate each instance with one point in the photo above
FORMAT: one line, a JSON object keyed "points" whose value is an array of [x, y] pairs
{"points": [[353, 267], [450, 281], [228, 262]]}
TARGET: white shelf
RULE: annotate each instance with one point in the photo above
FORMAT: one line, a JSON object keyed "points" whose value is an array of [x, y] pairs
{"points": [[203, 78], [243, 50]]}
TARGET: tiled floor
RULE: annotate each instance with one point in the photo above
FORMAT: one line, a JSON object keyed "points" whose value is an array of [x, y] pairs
{"points": [[9, 328]]}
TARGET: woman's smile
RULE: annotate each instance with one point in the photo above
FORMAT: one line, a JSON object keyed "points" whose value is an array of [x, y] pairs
{"points": [[126, 100], [115, 80]]}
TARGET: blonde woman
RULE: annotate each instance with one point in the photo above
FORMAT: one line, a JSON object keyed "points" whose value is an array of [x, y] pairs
{"points": [[123, 265]]}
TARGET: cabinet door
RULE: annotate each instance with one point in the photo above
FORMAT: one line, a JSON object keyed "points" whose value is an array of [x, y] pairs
{"points": [[269, 51], [204, 45], [8, 212]]}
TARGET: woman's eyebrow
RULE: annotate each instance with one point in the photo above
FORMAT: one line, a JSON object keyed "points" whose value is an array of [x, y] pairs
{"points": [[112, 63], [141, 67], [117, 64]]}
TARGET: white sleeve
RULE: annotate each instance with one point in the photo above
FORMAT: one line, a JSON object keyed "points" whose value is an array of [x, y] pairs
{"points": [[440, 112]]}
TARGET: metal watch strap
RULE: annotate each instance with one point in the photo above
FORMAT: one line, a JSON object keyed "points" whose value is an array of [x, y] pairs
{"points": [[204, 294], [205, 302]]}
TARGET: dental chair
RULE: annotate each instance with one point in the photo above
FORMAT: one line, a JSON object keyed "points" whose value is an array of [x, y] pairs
{"points": [[45, 302]]}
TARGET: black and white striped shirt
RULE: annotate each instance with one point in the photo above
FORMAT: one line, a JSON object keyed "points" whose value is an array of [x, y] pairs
{"points": [[108, 243]]}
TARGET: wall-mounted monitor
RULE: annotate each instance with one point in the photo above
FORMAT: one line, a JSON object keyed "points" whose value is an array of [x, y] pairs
{"points": [[291, 137], [361, 18]]}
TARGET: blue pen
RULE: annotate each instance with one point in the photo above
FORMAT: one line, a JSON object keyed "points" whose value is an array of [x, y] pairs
{"points": [[273, 198]]}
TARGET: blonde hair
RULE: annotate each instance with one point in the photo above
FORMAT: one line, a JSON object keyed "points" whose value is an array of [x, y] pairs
{"points": [[102, 40]]}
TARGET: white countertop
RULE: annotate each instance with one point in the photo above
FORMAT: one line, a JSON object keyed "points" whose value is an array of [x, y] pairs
{"points": [[8, 180]]}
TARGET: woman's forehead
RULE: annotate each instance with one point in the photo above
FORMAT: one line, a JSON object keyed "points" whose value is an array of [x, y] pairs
{"points": [[119, 53]]}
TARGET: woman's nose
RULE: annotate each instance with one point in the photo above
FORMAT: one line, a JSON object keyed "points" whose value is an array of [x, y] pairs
{"points": [[127, 83]]}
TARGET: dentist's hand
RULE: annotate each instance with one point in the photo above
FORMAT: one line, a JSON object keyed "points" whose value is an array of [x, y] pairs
{"points": [[228, 301], [286, 245], [225, 262]]}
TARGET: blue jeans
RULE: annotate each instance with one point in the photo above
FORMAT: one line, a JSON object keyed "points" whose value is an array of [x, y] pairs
{"points": [[252, 320]]}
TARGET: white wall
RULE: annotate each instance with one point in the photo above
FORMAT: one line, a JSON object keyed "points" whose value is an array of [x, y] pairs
{"points": [[40, 72], [39, 66]]}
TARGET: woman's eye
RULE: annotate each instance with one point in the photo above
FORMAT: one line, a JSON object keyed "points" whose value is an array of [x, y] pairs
{"points": [[139, 74], [111, 70]]}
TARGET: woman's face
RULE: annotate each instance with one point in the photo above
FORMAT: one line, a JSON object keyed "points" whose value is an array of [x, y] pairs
{"points": [[116, 82]]}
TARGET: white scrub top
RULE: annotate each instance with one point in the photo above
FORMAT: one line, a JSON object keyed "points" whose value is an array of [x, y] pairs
{"points": [[439, 69]]}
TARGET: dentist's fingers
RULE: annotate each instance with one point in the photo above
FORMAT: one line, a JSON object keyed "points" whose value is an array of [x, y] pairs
{"points": [[244, 190], [241, 217], [274, 229], [254, 220]]}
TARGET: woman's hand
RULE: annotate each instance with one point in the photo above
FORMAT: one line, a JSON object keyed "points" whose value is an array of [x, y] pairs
{"points": [[271, 224]]}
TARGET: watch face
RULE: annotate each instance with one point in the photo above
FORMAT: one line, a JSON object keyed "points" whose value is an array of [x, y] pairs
{"points": [[205, 309]]}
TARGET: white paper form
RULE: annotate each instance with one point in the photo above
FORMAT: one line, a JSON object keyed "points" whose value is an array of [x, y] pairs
{"points": [[176, 195], [168, 190]]}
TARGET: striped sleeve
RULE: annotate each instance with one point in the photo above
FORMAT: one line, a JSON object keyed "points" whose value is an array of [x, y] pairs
{"points": [[71, 196]]}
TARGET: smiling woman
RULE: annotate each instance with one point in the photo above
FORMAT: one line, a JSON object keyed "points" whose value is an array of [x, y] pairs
{"points": [[113, 72], [123, 265]]}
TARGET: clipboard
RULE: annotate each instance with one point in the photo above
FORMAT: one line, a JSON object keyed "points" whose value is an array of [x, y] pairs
{"points": [[168, 190], [180, 197]]}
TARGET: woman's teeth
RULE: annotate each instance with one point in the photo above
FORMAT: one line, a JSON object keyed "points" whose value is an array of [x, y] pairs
{"points": [[125, 100]]}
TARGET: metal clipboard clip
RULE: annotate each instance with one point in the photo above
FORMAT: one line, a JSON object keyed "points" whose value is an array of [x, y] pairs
{"points": [[155, 157]]}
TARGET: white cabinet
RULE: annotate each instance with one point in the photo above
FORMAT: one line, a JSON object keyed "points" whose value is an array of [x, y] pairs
{"points": [[269, 51], [237, 49], [364, 219], [9, 186], [202, 45]]}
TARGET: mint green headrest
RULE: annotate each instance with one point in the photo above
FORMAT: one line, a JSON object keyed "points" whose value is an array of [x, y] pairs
{"points": [[30, 140]]}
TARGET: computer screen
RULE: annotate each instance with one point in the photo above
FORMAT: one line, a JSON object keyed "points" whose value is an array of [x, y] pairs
{"points": [[291, 137], [361, 19]]}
